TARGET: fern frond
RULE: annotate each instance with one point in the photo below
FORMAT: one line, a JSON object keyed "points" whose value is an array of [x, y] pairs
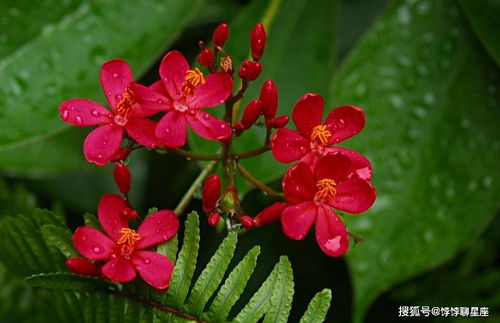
{"points": [[318, 307]]}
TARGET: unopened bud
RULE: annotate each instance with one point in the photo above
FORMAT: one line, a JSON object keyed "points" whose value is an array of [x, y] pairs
{"points": [[279, 122], [247, 222], [258, 41], [230, 202], [82, 266], [270, 214], [206, 57], [122, 177], [213, 219], [250, 70], [220, 35], [251, 113], [210, 193], [269, 99]]}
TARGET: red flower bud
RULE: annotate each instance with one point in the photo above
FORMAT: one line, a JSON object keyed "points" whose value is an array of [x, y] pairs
{"points": [[269, 99], [247, 222], [221, 34], [258, 41], [250, 70], [213, 219], [270, 214], [206, 57], [238, 128], [122, 177], [251, 114], [230, 201], [279, 122], [210, 193], [82, 266]]}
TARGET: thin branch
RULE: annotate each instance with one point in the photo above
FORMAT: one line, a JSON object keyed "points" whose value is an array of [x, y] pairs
{"points": [[191, 155], [263, 187], [258, 151]]}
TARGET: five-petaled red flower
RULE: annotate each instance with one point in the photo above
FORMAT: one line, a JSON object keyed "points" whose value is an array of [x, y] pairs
{"points": [[104, 142], [183, 92], [124, 249], [313, 192], [314, 138]]}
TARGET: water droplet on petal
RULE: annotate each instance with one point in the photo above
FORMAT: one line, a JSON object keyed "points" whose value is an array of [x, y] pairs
{"points": [[118, 97], [167, 130], [115, 74], [222, 126], [65, 115], [97, 249], [333, 244], [159, 101], [340, 123], [147, 261], [78, 120], [205, 116], [72, 108], [95, 113]]}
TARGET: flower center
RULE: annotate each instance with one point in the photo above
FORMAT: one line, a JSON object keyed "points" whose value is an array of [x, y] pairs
{"points": [[226, 63], [326, 188], [124, 108], [128, 240], [180, 107], [192, 79], [321, 135]]}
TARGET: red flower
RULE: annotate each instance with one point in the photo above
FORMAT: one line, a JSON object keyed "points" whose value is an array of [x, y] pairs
{"points": [[314, 139], [313, 193], [123, 248], [184, 92], [103, 143]]}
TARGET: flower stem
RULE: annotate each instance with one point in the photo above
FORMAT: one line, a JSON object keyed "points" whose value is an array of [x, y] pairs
{"points": [[191, 155], [263, 187], [258, 151], [194, 186]]}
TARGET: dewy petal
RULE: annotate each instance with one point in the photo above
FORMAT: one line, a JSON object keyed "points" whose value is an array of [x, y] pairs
{"points": [[331, 234], [157, 228], [345, 122], [155, 269], [335, 166], [208, 126], [298, 184], [288, 145], [92, 244], [171, 130], [109, 213], [354, 195], [119, 270], [360, 165], [214, 91], [115, 78], [83, 112], [149, 101], [296, 220], [173, 69], [159, 87], [102, 144], [308, 113], [143, 131]]}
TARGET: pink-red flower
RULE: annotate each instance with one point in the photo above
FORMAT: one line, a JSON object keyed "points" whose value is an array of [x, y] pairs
{"points": [[104, 142], [314, 138], [184, 92], [312, 195], [124, 250]]}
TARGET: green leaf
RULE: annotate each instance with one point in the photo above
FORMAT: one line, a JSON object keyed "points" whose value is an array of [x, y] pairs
{"points": [[483, 17], [169, 248], [61, 238], [295, 72], [281, 299], [318, 307], [92, 221], [432, 136], [60, 57], [68, 281], [212, 275], [234, 285], [16, 200]]}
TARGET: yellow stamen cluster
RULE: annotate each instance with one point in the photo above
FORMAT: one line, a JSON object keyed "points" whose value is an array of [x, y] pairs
{"points": [[321, 135], [192, 79], [226, 63], [128, 240], [326, 188], [124, 106]]}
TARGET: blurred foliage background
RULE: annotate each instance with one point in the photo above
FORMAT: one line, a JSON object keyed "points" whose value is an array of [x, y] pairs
{"points": [[426, 73]]}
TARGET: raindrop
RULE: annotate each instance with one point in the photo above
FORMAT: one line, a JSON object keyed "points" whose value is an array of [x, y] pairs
{"points": [[222, 126], [159, 101], [205, 116], [97, 249], [165, 237], [118, 97], [95, 113], [65, 115], [167, 130], [340, 123], [157, 230], [72, 108], [147, 261], [79, 121], [115, 75], [104, 142]]}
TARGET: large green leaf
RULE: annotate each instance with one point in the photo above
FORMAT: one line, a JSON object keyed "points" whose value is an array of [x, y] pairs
{"points": [[429, 92], [59, 49], [297, 58]]}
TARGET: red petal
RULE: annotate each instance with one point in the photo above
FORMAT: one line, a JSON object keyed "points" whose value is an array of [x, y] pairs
{"points": [[109, 212], [296, 220], [298, 184], [155, 269], [171, 130], [115, 78], [288, 145], [214, 91], [210, 193], [92, 244], [82, 266], [270, 214], [157, 228], [334, 165], [143, 131], [150, 101], [354, 195], [331, 234], [159, 87], [308, 113], [173, 69], [208, 126], [360, 165], [102, 144], [345, 122], [83, 112], [119, 270]]}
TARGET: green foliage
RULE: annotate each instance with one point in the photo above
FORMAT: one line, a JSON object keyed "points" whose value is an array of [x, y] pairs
{"points": [[317, 309], [67, 281]]}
